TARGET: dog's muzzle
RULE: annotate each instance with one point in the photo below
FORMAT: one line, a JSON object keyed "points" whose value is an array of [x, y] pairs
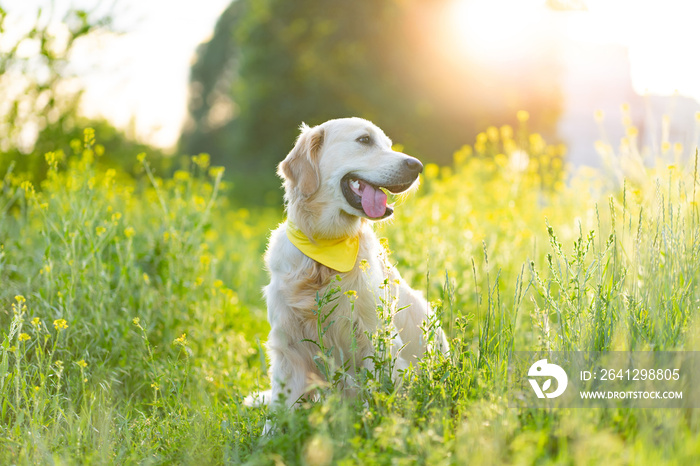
{"points": [[368, 195]]}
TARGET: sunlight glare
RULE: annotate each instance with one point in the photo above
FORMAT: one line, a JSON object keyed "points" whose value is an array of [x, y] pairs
{"points": [[492, 29]]}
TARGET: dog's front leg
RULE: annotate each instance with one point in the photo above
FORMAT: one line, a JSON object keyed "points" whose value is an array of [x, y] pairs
{"points": [[413, 315], [288, 369]]}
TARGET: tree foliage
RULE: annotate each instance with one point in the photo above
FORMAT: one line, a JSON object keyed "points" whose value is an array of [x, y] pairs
{"points": [[273, 64], [40, 97]]}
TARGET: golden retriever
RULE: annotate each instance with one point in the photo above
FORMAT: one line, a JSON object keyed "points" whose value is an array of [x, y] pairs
{"points": [[334, 181]]}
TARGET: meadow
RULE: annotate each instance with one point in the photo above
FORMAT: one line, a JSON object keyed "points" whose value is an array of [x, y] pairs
{"points": [[133, 325]]}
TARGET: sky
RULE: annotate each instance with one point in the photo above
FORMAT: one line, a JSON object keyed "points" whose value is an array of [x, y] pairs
{"points": [[138, 79]]}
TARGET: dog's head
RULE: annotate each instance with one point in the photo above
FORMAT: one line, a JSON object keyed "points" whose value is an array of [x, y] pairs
{"points": [[342, 168]]}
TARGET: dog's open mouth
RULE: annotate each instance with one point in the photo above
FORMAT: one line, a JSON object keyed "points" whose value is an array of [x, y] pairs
{"points": [[370, 198]]}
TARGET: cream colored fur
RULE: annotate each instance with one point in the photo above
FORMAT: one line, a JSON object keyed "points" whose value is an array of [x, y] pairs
{"points": [[312, 174]]}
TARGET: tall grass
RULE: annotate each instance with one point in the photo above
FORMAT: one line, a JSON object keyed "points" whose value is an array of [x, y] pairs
{"points": [[132, 315]]}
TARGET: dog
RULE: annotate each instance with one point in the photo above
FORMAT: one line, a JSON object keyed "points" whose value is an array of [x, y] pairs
{"points": [[334, 181]]}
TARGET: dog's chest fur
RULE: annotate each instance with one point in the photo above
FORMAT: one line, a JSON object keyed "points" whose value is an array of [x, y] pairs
{"points": [[297, 280]]}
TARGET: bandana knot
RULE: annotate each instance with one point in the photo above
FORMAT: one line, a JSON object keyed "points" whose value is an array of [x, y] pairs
{"points": [[338, 254]]}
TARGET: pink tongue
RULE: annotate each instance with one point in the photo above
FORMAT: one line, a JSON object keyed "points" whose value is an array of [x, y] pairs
{"points": [[373, 202]]}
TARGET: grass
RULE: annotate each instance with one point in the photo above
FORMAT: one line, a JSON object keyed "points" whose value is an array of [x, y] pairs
{"points": [[133, 322]]}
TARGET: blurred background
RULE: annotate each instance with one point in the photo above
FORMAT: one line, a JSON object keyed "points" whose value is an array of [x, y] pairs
{"points": [[235, 79]]}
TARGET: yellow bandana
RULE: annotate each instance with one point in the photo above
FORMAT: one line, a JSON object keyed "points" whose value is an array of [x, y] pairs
{"points": [[338, 254]]}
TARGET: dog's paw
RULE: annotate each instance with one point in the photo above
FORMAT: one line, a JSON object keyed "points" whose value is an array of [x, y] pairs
{"points": [[267, 430], [258, 399]]}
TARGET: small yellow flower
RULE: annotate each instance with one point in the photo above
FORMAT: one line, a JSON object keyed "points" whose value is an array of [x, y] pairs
{"points": [[20, 299], [129, 232], [199, 203], [60, 324], [205, 259], [141, 157], [36, 322], [146, 278], [522, 116], [51, 160], [201, 160], [82, 363], [492, 134], [599, 116], [181, 340], [136, 321], [181, 175], [431, 170], [216, 172], [89, 136], [27, 186], [100, 231], [155, 386], [352, 294], [23, 337], [218, 283]]}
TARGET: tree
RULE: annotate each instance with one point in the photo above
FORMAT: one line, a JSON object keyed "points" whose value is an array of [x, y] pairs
{"points": [[39, 111], [273, 64]]}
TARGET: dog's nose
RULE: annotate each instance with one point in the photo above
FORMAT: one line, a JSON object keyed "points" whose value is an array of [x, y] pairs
{"points": [[414, 165]]}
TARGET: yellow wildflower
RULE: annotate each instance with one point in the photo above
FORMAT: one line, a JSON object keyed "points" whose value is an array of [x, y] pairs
{"points": [[60, 324], [431, 170], [216, 172], [82, 363], [181, 340], [27, 186], [201, 160], [522, 116], [23, 337], [89, 136], [181, 175]]}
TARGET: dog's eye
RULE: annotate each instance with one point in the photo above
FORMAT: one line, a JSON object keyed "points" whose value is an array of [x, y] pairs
{"points": [[366, 140]]}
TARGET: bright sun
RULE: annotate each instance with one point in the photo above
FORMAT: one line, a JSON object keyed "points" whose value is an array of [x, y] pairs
{"points": [[487, 29], [661, 37]]}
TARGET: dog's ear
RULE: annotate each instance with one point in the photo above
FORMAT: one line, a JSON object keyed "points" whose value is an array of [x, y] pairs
{"points": [[300, 167]]}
